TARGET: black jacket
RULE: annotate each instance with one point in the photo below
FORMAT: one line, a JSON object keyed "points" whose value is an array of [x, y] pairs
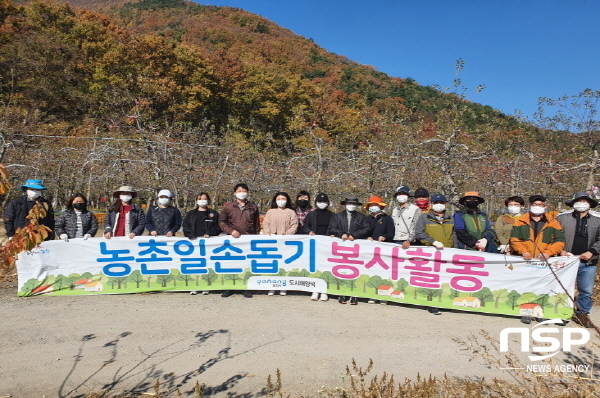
{"points": [[359, 227], [316, 221], [198, 223], [382, 226], [66, 223], [163, 220], [18, 210]]}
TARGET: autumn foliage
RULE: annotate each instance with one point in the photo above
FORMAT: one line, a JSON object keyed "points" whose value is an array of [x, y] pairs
{"points": [[25, 238], [169, 93]]}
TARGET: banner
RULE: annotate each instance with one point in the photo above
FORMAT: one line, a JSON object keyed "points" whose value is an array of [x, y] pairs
{"points": [[448, 278]]}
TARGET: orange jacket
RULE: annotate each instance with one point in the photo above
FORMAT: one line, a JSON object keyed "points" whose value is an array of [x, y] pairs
{"points": [[550, 240]]}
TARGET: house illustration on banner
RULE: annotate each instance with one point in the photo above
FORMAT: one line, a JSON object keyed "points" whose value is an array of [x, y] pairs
{"points": [[80, 284], [96, 286], [385, 290], [397, 294], [472, 302], [531, 309]]}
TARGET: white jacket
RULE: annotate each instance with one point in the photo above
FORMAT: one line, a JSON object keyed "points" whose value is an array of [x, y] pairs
{"points": [[405, 221]]}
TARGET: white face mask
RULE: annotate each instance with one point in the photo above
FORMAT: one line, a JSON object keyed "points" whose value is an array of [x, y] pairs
{"points": [[31, 194], [514, 209], [202, 202], [241, 195], [538, 210], [281, 203], [402, 198], [374, 209], [163, 201], [322, 205], [125, 198], [351, 207], [581, 206], [439, 207]]}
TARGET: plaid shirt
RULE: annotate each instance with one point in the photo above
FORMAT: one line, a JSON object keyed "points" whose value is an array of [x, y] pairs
{"points": [[302, 215]]}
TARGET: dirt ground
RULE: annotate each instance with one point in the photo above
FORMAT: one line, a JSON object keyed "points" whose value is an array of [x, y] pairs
{"points": [[71, 346]]}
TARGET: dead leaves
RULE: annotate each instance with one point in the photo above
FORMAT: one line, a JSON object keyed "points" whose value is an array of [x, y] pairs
{"points": [[26, 238]]}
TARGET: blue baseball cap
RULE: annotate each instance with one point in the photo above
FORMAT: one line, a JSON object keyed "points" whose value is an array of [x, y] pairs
{"points": [[33, 184], [403, 189], [438, 197]]}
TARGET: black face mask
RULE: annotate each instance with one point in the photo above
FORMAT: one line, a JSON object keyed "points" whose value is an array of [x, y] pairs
{"points": [[79, 206], [303, 203], [472, 204]]}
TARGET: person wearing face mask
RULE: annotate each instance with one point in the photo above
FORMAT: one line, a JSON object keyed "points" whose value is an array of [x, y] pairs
{"points": [[473, 227], [76, 221], [436, 228], [422, 199], [201, 222], [504, 223], [382, 225], [123, 217], [317, 221], [349, 224], [405, 217], [281, 219], [582, 239], [163, 219], [302, 208], [239, 218], [536, 234], [18, 209]]}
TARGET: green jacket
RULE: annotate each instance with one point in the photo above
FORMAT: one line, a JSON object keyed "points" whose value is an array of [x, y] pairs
{"points": [[429, 229]]}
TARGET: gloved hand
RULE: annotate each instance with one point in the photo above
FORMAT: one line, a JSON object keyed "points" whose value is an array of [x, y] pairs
{"points": [[481, 244], [438, 245], [64, 237], [502, 248], [86, 236]]}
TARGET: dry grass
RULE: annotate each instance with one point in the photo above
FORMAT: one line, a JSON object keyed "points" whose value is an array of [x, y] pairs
{"points": [[358, 383]]}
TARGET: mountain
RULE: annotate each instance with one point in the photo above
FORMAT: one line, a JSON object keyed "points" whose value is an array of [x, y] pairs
{"points": [[173, 72]]}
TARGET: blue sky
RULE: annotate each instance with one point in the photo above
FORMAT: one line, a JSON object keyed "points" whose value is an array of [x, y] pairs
{"points": [[520, 50]]}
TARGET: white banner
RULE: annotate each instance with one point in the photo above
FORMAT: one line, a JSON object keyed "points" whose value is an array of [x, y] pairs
{"points": [[450, 278]]}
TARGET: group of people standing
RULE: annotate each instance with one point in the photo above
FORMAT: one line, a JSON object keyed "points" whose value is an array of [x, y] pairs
{"points": [[532, 234]]}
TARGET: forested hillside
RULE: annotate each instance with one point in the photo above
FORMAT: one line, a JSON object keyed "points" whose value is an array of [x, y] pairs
{"points": [[174, 94]]}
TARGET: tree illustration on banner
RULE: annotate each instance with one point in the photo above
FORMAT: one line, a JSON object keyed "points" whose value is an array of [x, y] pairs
{"points": [[513, 299], [137, 278], [210, 277], [484, 295]]}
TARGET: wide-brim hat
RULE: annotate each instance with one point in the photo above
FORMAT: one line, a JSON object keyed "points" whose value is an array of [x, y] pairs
{"points": [[582, 195], [33, 184], [375, 200], [125, 188], [471, 194], [353, 199]]}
